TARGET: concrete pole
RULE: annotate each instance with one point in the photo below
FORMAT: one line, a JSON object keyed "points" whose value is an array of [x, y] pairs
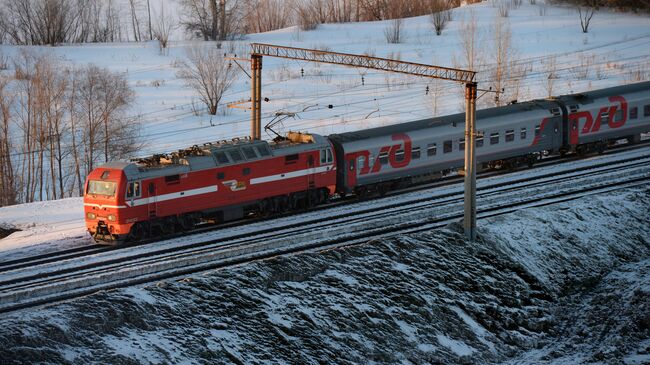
{"points": [[469, 222], [256, 97]]}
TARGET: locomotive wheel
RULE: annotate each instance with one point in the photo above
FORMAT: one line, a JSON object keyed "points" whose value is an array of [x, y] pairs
{"points": [[137, 233], [186, 222]]}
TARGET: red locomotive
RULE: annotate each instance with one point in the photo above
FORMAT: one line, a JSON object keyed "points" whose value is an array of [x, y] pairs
{"points": [[215, 181]]}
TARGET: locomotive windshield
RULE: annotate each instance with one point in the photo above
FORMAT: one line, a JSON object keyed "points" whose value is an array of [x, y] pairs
{"points": [[96, 187]]}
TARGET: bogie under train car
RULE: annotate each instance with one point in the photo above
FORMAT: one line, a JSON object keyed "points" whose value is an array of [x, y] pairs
{"points": [[228, 180]]}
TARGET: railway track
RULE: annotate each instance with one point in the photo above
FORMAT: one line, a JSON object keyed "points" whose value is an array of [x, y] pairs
{"points": [[79, 252], [28, 288]]}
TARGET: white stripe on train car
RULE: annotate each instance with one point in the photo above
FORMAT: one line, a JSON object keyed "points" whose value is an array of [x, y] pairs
{"points": [[290, 175], [170, 196]]}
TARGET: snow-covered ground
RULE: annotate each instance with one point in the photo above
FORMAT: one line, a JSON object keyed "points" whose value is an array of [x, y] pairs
{"points": [[562, 284]]}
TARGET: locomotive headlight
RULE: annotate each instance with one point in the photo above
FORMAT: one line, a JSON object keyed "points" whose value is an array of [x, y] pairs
{"points": [[111, 217], [91, 215]]}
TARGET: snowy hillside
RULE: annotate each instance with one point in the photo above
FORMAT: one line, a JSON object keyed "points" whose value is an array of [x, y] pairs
{"points": [[545, 40], [561, 284]]}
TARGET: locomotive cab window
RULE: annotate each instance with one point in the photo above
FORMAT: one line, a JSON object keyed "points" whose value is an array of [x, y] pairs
{"points": [[447, 146], [432, 149], [510, 135], [523, 133], [537, 130], [634, 113], [133, 190], [494, 138], [415, 153], [326, 156]]}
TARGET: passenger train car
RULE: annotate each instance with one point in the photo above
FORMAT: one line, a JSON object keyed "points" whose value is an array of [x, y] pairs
{"points": [[228, 180]]}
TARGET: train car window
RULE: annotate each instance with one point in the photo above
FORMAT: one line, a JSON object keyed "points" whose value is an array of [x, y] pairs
{"points": [[105, 175], [537, 130], [383, 158], [221, 175], [646, 110], [604, 117], [246, 171], [494, 138], [479, 141], [432, 149], [263, 150], [399, 155], [461, 144], [291, 158], [447, 146], [235, 155], [330, 156], [360, 162], [618, 116], [634, 113], [510, 135], [133, 190], [523, 133], [173, 179], [221, 157], [415, 153], [249, 152]]}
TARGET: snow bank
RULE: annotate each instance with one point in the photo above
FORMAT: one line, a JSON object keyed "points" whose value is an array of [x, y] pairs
{"points": [[533, 289]]}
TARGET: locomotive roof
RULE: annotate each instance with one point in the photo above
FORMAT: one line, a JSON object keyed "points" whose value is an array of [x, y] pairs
{"points": [[215, 154], [448, 120]]}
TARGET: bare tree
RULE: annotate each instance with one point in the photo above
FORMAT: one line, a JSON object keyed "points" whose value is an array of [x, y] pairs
{"points": [[266, 15], [440, 14], [209, 74], [7, 183], [162, 28], [134, 20], [585, 13], [393, 31], [471, 57], [504, 73]]}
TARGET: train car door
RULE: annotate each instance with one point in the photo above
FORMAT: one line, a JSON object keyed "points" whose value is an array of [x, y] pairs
{"points": [[153, 207], [311, 183]]}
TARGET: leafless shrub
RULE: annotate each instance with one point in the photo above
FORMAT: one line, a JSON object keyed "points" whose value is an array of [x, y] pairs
{"points": [[393, 31], [308, 16], [471, 42], [440, 15], [161, 29], [532, 2], [503, 8], [542, 9], [581, 71], [266, 15], [516, 4], [585, 13], [7, 181], [550, 71], [209, 74]]}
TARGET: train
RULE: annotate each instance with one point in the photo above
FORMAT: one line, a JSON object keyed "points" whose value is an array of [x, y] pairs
{"points": [[230, 179]]}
